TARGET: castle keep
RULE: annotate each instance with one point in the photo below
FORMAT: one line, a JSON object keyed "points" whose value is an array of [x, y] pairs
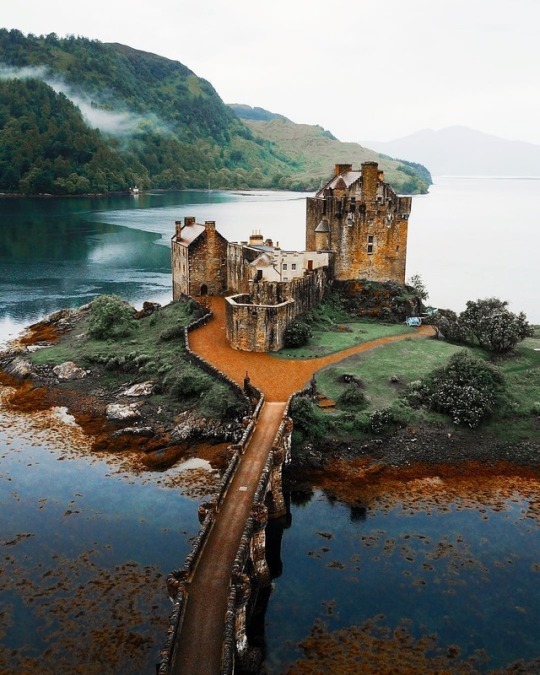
{"points": [[360, 218], [356, 228]]}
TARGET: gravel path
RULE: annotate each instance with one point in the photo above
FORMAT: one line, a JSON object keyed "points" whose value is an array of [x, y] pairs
{"points": [[201, 638]]}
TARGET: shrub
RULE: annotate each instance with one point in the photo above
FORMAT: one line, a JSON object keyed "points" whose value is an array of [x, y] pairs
{"points": [[172, 333], [352, 398], [110, 317], [305, 418], [187, 384], [297, 334], [493, 326], [380, 421], [220, 402], [467, 389]]}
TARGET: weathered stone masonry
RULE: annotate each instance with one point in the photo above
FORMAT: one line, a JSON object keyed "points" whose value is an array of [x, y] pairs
{"points": [[361, 219], [199, 259], [256, 322]]}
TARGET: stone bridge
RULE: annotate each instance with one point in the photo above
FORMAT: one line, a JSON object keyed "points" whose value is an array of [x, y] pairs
{"points": [[217, 589]]}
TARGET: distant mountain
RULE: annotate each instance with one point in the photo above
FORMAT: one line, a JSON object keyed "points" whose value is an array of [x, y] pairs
{"points": [[460, 151], [315, 150], [78, 116]]}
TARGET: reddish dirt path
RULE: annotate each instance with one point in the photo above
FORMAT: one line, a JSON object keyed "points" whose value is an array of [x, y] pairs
{"points": [[276, 378]]}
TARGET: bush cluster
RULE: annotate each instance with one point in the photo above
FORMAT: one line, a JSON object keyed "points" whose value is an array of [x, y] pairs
{"points": [[297, 334], [487, 323], [353, 398], [467, 389], [110, 318]]}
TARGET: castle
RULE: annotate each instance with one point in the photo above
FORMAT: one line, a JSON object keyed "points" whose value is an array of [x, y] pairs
{"points": [[356, 228]]}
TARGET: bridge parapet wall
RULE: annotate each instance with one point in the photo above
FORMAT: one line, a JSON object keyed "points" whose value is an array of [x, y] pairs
{"points": [[251, 551]]}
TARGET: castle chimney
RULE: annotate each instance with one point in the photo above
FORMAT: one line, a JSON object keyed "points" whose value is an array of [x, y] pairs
{"points": [[370, 175], [210, 225], [178, 229], [189, 220], [342, 168], [256, 238]]}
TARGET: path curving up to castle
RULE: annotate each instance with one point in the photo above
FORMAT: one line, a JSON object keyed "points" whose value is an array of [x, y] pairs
{"points": [[276, 378], [201, 639]]}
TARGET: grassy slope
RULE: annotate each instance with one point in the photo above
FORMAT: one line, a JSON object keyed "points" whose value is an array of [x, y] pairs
{"points": [[411, 360], [315, 151], [145, 356]]}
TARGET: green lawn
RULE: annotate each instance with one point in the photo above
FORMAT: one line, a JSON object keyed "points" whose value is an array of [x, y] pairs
{"points": [[409, 360], [327, 340]]}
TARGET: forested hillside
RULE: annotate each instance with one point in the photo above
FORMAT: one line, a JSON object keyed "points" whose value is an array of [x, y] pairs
{"points": [[78, 116]]}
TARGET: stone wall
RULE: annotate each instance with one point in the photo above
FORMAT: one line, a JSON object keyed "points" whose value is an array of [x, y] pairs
{"points": [[239, 256], [257, 321]]}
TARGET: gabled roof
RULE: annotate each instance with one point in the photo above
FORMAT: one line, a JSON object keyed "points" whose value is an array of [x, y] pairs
{"points": [[344, 180], [264, 260], [189, 233]]}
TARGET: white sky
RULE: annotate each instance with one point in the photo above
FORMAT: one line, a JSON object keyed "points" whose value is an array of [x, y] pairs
{"points": [[364, 69]]}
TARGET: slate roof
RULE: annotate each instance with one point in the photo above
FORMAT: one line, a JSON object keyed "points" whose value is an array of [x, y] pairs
{"points": [[348, 178], [189, 233]]}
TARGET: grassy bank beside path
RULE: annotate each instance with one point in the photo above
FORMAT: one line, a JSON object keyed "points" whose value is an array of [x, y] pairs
{"points": [[326, 341]]}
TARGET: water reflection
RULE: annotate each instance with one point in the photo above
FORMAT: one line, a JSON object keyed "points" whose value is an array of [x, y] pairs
{"points": [[463, 571]]}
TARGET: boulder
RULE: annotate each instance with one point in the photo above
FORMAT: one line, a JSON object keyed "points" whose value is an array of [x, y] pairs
{"points": [[69, 371], [19, 368], [140, 389], [118, 411]]}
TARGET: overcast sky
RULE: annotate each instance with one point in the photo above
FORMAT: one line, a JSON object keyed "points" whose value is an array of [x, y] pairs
{"points": [[364, 69]]}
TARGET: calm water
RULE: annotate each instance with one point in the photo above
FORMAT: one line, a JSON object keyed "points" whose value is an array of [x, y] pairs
{"points": [[85, 543], [464, 572]]}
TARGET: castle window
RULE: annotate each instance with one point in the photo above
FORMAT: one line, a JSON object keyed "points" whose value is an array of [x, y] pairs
{"points": [[370, 244], [284, 266], [285, 279], [352, 205], [293, 266]]}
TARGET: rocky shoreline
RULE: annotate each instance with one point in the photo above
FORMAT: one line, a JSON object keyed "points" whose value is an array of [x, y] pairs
{"points": [[119, 420]]}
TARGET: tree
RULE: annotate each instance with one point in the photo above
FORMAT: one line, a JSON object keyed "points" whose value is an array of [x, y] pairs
{"points": [[110, 317], [419, 287], [493, 326]]}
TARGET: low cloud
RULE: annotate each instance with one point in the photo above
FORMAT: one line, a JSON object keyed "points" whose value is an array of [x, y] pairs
{"points": [[109, 121]]}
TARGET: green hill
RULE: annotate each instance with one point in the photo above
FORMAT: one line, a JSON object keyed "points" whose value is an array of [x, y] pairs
{"points": [[78, 115], [315, 151]]}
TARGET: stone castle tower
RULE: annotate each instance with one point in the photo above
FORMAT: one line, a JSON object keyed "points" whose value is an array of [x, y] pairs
{"points": [[361, 219]]}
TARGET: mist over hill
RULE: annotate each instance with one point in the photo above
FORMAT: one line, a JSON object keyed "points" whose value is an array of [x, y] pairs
{"points": [[460, 151], [81, 116]]}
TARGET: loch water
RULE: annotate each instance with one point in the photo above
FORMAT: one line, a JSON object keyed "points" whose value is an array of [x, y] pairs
{"points": [[86, 544]]}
